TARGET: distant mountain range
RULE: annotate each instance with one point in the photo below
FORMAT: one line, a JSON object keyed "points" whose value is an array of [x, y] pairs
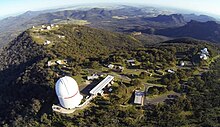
{"points": [[174, 18], [200, 18], [120, 19], [157, 40], [209, 31]]}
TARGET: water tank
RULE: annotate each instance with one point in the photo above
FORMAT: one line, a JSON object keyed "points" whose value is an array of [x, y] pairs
{"points": [[68, 93]]}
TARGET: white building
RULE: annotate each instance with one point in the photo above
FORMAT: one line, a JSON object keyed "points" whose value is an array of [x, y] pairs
{"points": [[48, 28], [61, 36], [43, 26], [110, 90], [68, 93], [182, 63], [171, 71], [203, 56], [99, 88], [205, 51], [101, 92], [59, 62], [94, 76], [111, 66], [47, 42], [131, 61], [49, 63], [139, 97], [120, 68]]}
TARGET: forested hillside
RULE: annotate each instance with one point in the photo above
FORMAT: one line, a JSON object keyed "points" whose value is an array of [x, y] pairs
{"points": [[28, 79], [119, 19], [26, 82], [200, 30]]}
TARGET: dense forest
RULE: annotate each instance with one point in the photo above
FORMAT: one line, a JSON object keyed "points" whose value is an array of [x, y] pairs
{"points": [[27, 82]]}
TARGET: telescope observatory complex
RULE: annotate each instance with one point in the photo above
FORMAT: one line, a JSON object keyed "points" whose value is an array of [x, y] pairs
{"points": [[68, 93]]}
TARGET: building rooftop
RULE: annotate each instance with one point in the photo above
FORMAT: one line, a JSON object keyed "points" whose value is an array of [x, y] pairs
{"points": [[139, 97], [101, 85], [131, 61], [205, 51], [94, 76]]}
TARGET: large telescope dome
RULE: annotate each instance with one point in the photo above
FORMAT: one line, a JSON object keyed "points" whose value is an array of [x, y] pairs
{"points": [[68, 93]]}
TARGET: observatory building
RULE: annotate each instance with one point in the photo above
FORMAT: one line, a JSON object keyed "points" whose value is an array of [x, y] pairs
{"points": [[98, 89], [68, 93]]}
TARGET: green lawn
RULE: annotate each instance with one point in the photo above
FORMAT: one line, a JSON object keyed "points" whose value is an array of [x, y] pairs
{"points": [[161, 95], [213, 59], [186, 113], [79, 79]]}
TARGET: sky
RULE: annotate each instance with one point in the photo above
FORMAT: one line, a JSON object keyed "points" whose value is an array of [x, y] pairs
{"points": [[14, 7]]}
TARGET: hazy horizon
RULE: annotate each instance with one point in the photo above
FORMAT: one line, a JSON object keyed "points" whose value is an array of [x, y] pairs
{"points": [[14, 8]]}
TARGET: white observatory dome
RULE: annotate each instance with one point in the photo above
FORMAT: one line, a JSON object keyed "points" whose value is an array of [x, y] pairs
{"points": [[68, 93]]}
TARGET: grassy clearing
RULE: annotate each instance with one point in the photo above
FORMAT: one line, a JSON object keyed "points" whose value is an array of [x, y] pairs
{"points": [[38, 39], [73, 21], [186, 113], [79, 79], [213, 59], [161, 95]]}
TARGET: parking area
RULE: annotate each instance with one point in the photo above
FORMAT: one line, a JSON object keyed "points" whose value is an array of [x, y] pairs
{"points": [[161, 98]]}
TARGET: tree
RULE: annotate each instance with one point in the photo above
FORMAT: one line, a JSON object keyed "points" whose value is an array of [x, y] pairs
{"points": [[155, 91], [163, 90], [44, 119], [135, 82], [95, 65], [143, 75], [181, 74], [165, 81], [76, 70]]}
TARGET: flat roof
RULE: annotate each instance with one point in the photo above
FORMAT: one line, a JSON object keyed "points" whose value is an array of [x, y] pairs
{"points": [[138, 97], [101, 85]]}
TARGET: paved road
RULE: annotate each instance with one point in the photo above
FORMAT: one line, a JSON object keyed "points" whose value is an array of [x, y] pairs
{"points": [[159, 99], [113, 74], [149, 85], [124, 77]]}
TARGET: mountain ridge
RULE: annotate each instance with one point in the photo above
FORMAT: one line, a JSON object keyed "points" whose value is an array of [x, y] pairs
{"points": [[209, 31], [99, 18]]}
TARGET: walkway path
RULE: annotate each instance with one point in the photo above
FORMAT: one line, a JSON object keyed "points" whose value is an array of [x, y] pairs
{"points": [[60, 109]]}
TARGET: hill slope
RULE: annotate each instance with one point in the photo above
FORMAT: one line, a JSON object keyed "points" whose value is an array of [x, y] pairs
{"points": [[27, 80], [177, 19], [76, 42], [114, 19], [200, 30], [200, 18]]}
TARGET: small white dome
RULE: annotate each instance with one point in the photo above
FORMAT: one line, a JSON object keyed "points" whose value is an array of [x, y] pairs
{"points": [[68, 93]]}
